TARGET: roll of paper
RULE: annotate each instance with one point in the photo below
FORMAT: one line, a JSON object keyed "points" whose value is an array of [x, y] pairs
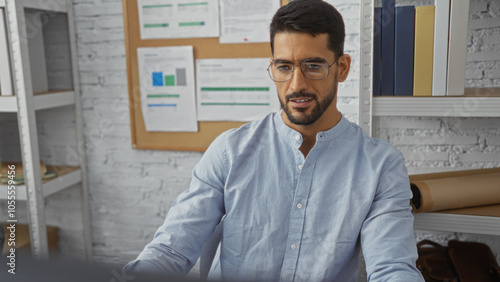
{"points": [[455, 192]]}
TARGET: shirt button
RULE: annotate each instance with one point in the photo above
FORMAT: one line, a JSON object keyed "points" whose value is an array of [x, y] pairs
{"points": [[300, 167], [299, 206], [293, 247], [297, 137]]}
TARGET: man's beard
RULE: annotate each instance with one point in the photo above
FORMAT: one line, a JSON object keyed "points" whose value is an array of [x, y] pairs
{"points": [[302, 118]]}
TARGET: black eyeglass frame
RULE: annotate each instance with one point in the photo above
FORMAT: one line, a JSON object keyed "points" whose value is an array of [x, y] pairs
{"points": [[302, 70]]}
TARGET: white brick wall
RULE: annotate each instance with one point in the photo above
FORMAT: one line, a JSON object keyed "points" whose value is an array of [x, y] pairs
{"points": [[132, 190], [483, 61]]}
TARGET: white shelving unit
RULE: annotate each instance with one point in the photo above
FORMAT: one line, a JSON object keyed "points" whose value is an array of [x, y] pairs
{"points": [[25, 103], [474, 224], [481, 102], [48, 188], [447, 106], [41, 102]]}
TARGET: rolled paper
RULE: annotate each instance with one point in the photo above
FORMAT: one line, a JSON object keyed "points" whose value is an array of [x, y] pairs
{"points": [[455, 192]]}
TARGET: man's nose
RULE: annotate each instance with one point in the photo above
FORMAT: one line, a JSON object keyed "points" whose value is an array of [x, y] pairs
{"points": [[298, 81]]}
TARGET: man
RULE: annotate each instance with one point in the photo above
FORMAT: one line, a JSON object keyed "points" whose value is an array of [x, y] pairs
{"points": [[302, 190]]}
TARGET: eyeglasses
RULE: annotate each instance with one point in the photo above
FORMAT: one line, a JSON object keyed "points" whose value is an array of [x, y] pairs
{"points": [[313, 69]]}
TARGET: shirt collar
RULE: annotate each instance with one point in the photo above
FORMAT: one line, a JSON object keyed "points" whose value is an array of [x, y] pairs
{"points": [[327, 135]]}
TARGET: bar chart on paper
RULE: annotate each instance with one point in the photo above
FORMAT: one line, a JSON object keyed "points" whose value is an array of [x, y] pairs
{"points": [[234, 90], [167, 88], [161, 79], [166, 80]]}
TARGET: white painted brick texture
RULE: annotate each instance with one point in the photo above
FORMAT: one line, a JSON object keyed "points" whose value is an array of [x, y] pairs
{"points": [[483, 60]]}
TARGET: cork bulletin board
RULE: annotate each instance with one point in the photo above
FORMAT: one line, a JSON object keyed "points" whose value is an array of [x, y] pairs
{"points": [[204, 48]]}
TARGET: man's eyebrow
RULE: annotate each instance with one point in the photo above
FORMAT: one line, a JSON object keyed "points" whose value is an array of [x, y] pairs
{"points": [[313, 59], [281, 61]]}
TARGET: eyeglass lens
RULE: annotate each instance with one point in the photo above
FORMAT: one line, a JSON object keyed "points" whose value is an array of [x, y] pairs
{"points": [[283, 71]]}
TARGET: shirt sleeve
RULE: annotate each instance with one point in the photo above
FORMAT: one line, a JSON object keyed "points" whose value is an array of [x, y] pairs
{"points": [[387, 237], [190, 221]]}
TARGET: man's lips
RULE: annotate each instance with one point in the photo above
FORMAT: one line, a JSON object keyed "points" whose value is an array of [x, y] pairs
{"points": [[301, 101]]}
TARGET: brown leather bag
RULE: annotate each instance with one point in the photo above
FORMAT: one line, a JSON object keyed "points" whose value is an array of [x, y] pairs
{"points": [[460, 261]]}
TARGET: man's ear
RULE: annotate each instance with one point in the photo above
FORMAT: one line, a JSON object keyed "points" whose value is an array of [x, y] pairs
{"points": [[344, 65]]}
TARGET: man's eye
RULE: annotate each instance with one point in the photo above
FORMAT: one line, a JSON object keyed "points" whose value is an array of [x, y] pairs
{"points": [[313, 67], [283, 67]]}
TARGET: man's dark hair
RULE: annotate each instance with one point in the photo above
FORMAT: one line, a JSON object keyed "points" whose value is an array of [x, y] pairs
{"points": [[313, 17]]}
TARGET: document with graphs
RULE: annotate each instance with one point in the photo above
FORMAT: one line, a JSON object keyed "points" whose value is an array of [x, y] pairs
{"points": [[167, 87]]}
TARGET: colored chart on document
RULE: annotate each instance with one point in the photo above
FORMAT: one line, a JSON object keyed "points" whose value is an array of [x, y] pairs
{"points": [[166, 78]]}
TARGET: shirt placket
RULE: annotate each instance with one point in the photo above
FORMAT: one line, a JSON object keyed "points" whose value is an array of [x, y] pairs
{"points": [[304, 169]]}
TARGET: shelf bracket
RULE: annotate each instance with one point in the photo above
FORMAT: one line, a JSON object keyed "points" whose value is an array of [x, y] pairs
{"points": [[365, 65]]}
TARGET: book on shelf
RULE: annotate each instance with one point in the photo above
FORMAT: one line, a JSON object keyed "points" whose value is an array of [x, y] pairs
{"points": [[377, 56], [16, 177], [5, 75], [459, 20], [440, 64], [388, 27], [404, 44], [424, 45]]}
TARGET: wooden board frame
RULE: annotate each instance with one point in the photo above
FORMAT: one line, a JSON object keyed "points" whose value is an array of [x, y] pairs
{"points": [[204, 48]]}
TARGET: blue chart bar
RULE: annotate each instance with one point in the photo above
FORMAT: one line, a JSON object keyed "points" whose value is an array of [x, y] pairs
{"points": [[157, 78], [162, 105]]}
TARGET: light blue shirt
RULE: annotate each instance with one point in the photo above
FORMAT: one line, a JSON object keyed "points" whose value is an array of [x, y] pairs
{"points": [[290, 218]]}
